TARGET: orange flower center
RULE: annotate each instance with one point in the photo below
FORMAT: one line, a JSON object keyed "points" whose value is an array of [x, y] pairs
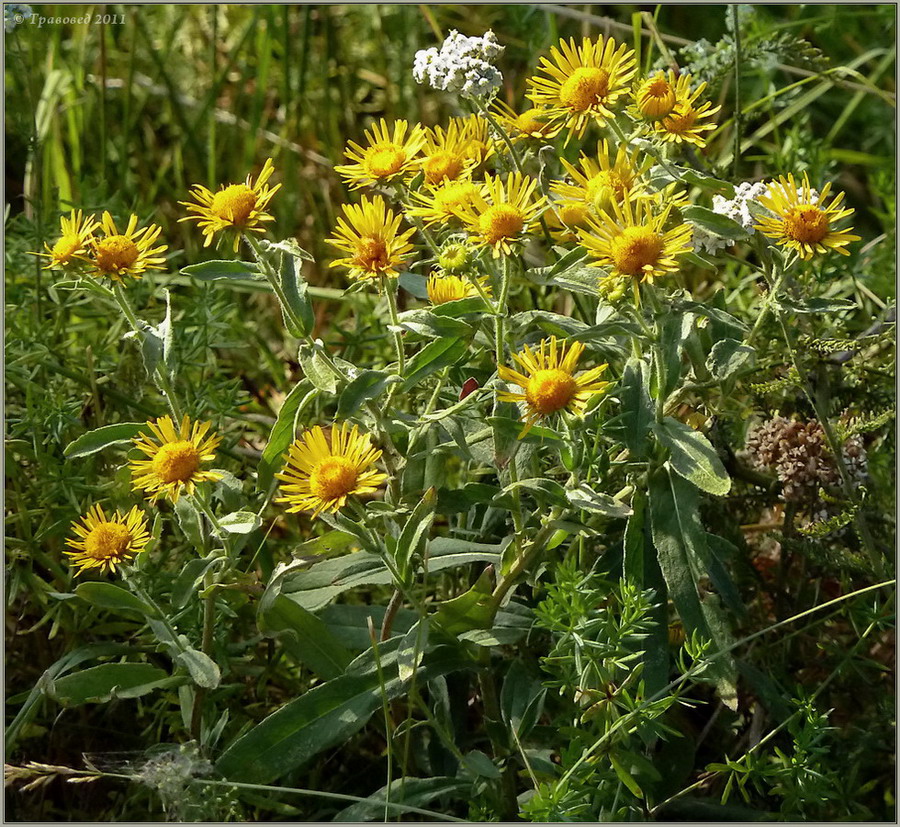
{"points": [[372, 254], [681, 120], [476, 149], [635, 249], [234, 203], [384, 160], [584, 88], [333, 478], [550, 390], [442, 165], [529, 123], [806, 224], [176, 461], [501, 221], [116, 252], [107, 540], [66, 247], [656, 97]]}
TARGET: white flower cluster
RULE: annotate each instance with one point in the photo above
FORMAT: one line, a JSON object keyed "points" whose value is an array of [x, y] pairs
{"points": [[463, 65], [737, 209]]}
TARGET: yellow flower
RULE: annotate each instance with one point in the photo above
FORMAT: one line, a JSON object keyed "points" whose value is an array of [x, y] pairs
{"points": [[479, 144], [655, 97], [584, 82], [803, 221], [532, 123], [598, 183], [686, 122], [503, 213], [372, 239], [564, 218], [238, 207], [319, 476], [549, 383], [126, 254], [632, 241], [443, 202], [102, 543], [389, 155], [451, 153], [75, 236], [175, 458], [443, 287]]}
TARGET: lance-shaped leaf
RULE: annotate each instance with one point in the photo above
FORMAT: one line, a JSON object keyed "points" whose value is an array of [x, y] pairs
{"points": [[693, 456], [100, 438]]}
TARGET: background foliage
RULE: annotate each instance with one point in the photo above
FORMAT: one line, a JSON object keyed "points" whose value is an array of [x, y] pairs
{"points": [[125, 118]]}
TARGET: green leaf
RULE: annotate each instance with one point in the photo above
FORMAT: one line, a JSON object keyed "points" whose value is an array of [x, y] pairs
{"points": [[477, 763], [461, 307], [282, 433], [692, 456], [288, 246], [727, 357], [431, 326], [370, 384], [294, 301], [585, 497], [108, 596], [712, 222], [240, 522], [217, 270], [100, 438], [412, 649], [625, 776], [316, 369], [415, 284], [674, 331], [816, 305], [411, 542], [411, 792], [521, 699], [100, 684], [470, 610], [202, 668], [304, 636], [552, 323], [543, 490], [433, 357], [638, 413], [189, 522], [190, 578]]}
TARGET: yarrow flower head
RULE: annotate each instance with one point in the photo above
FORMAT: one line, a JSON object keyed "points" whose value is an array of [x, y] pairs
{"points": [[115, 255], [237, 207], [369, 232], [463, 65], [548, 381], [103, 542], [75, 236], [175, 458], [320, 474], [802, 221]]}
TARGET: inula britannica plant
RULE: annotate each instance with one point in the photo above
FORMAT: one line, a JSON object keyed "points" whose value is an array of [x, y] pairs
{"points": [[554, 487]]}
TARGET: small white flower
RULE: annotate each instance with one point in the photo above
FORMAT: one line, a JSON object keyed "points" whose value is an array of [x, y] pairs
{"points": [[463, 65]]}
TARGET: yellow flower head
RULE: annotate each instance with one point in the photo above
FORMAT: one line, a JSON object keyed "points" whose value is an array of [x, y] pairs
{"points": [[452, 153], [388, 156], [548, 381], [632, 241], [104, 543], [238, 207], [531, 124], [444, 287], [370, 236], [319, 474], [803, 221], [131, 253], [655, 96], [175, 458], [503, 213], [688, 120], [479, 144], [75, 236], [442, 203], [583, 82]]}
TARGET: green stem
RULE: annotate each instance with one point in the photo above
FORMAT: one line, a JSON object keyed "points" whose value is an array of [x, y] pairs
{"points": [[390, 291], [272, 277]]}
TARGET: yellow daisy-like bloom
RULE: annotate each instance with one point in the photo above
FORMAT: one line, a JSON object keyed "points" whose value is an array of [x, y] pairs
{"points": [[442, 203], [75, 236], [319, 474], [238, 207], [479, 144], [532, 123], [502, 213], [584, 82], [444, 287], [389, 156], [130, 253], [655, 97], [548, 381], [687, 121], [632, 242], [803, 221], [372, 239], [175, 458], [104, 543], [447, 154], [565, 218]]}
